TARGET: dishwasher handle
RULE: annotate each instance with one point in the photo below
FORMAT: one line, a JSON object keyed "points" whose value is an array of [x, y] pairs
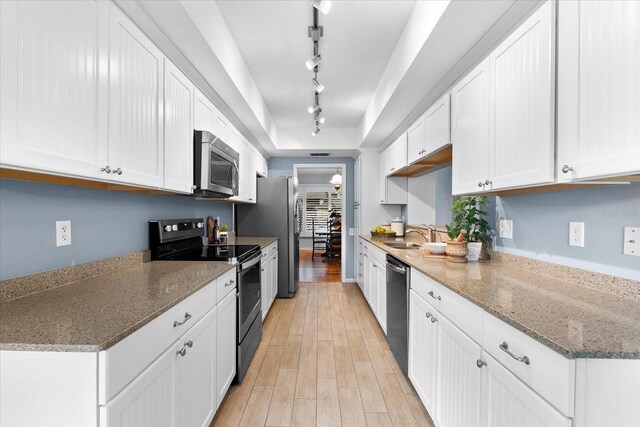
{"points": [[397, 269]]}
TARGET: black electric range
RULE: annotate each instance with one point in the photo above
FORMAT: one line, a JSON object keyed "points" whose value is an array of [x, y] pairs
{"points": [[181, 240]]}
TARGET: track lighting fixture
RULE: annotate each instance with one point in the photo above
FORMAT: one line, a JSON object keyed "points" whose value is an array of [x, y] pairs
{"points": [[319, 86], [320, 120], [314, 108], [313, 62], [322, 5], [315, 132]]}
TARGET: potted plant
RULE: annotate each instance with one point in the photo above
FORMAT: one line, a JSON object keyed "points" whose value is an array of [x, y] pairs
{"points": [[224, 233], [468, 213]]}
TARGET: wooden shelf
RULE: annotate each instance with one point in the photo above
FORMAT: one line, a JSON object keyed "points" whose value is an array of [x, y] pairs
{"points": [[437, 159]]}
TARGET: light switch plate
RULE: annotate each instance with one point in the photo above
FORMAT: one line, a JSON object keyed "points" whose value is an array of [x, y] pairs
{"points": [[63, 233], [352, 232], [506, 228], [632, 241], [576, 234]]}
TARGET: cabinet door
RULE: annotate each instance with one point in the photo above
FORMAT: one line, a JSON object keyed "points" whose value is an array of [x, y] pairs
{"points": [[150, 400], [507, 401], [423, 341], [178, 129], [135, 104], [399, 153], [252, 169], [222, 130], [265, 284], [415, 141], [274, 276], [374, 296], [598, 89], [437, 125], [204, 113], [522, 107], [459, 378], [53, 108], [383, 177], [226, 346], [196, 372], [470, 131], [367, 277], [382, 296]]}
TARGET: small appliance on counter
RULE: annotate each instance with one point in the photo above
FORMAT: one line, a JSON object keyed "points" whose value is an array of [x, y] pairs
{"points": [[182, 240], [397, 225]]}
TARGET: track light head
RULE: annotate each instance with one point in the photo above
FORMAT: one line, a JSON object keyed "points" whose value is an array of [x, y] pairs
{"points": [[314, 109], [315, 132], [319, 86], [313, 62], [319, 120], [322, 5]]}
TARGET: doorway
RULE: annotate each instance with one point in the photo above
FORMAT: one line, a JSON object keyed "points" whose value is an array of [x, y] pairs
{"points": [[320, 188]]}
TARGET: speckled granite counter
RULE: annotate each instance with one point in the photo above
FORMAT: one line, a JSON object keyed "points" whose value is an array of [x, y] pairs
{"points": [[574, 320], [95, 313]]}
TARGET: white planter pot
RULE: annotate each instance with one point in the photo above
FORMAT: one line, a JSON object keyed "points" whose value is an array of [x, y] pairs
{"points": [[474, 251]]}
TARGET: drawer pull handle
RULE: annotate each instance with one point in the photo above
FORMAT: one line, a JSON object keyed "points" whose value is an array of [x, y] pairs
{"points": [[480, 363], [505, 347], [189, 343], [433, 319], [182, 352], [428, 315], [231, 282], [434, 297], [187, 316]]}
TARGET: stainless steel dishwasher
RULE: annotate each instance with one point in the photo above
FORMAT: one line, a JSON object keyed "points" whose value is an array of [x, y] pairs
{"points": [[398, 276]]}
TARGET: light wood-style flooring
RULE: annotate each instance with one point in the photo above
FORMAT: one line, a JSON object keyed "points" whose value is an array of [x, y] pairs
{"points": [[318, 269], [323, 361]]}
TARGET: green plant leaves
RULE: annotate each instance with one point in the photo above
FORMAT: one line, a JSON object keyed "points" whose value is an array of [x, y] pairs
{"points": [[468, 213]]}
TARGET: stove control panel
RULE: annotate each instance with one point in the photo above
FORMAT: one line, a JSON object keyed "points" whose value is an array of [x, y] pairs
{"points": [[169, 230]]}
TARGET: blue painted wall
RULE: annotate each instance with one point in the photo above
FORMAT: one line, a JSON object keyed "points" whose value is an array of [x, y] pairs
{"points": [[283, 166], [541, 226], [103, 223]]}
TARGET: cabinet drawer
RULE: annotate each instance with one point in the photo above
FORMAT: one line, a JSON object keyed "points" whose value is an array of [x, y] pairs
{"points": [[378, 255], [550, 374], [226, 284], [426, 288], [460, 311], [271, 249], [120, 364]]}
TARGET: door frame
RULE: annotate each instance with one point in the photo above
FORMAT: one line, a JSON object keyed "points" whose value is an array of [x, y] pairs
{"points": [[343, 199]]}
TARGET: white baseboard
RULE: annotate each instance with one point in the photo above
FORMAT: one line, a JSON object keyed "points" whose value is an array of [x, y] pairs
{"points": [[350, 280]]}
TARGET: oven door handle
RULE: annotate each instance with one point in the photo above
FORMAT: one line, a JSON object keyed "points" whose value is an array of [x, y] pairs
{"points": [[251, 262]]}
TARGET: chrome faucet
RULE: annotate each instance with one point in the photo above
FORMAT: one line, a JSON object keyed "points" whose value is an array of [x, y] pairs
{"points": [[430, 237]]}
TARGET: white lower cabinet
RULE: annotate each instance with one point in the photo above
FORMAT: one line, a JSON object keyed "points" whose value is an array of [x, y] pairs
{"points": [[225, 360], [423, 357], [374, 286], [269, 278], [381, 308], [507, 401]]}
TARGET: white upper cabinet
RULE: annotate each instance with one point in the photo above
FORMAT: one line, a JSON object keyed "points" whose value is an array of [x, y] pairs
{"points": [[470, 131], [437, 125], [522, 73], [178, 130], [415, 141], [135, 104], [225, 131], [53, 59], [393, 189], [598, 89], [204, 113], [396, 155], [503, 112]]}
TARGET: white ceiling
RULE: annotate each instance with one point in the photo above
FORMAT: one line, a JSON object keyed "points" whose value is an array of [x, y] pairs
{"points": [[359, 38]]}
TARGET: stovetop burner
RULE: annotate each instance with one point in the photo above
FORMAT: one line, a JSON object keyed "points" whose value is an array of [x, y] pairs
{"points": [[232, 253]]}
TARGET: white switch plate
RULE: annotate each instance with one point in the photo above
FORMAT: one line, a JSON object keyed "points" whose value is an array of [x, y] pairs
{"points": [[632, 241], [576, 234], [352, 232], [506, 228], [63, 233]]}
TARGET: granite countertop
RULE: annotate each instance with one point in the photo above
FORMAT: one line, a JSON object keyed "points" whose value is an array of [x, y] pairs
{"points": [[262, 241], [574, 320], [95, 313]]}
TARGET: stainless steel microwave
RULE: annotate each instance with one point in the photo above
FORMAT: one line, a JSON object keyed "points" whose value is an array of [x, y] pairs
{"points": [[215, 167]]}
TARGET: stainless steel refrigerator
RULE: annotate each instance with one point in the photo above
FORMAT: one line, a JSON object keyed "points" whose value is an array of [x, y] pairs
{"points": [[276, 213]]}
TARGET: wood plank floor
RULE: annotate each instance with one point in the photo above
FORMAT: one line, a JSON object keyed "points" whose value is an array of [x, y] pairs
{"points": [[318, 269], [323, 361]]}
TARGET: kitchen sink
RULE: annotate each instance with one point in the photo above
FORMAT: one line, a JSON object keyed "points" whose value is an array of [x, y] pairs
{"points": [[404, 245]]}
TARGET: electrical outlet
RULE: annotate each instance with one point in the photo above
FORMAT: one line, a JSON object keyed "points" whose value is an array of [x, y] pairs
{"points": [[63, 233], [576, 234], [632, 241], [506, 228], [352, 232]]}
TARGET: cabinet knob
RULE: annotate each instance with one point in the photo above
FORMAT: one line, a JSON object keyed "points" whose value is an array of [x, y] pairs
{"points": [[487, 182], [106, 169], [567, 169], [189, 343], [433, 319], [480, 184], [480, 363], [428, 315], [182, 352], [381, 201], [118, 171]]}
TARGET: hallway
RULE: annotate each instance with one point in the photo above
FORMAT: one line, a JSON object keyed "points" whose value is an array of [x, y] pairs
{"points": [[324, 361], [318, 269]]}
